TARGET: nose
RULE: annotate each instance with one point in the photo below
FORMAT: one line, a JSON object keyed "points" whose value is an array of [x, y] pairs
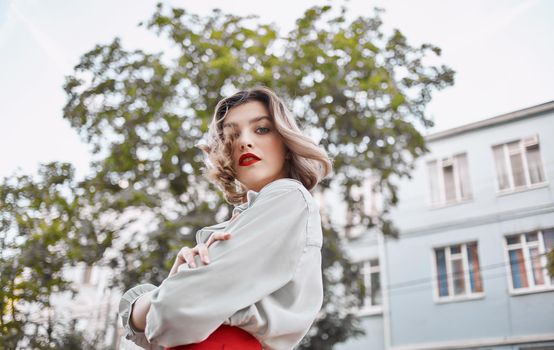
{"points": [[244, 141], [244, 146]]}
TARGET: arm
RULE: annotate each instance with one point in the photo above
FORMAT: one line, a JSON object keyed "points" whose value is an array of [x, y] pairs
{"points": [[141, 306], [126, 306], [138, 312], [269, 239]]}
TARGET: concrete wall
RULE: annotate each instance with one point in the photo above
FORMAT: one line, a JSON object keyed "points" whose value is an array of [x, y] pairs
{"points": [[497, 319]]}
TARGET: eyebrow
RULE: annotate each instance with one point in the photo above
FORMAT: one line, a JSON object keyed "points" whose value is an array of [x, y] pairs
{"points": [[252, 121]]}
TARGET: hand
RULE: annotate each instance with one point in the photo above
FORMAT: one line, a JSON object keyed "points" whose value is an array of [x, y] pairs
{"points": [[186, 254]]}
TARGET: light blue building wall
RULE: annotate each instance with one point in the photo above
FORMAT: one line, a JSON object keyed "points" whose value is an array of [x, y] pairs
{"points": [[501, 296]]}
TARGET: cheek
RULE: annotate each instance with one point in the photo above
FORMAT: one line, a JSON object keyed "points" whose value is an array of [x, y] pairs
{"points": [[279, 149]]}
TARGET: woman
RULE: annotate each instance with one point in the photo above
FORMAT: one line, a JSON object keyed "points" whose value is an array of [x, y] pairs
{"points": [[260, 286]]}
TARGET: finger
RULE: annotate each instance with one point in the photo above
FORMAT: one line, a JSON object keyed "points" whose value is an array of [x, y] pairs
{"points": [[218, 236], [210, 240], [203, 253], [188, 257], [213, 238], [181, 254], [225, 235]]}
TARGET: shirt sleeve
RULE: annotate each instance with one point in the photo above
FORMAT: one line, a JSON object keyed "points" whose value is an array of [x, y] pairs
{"points": [[268, 241], [125, 307]]}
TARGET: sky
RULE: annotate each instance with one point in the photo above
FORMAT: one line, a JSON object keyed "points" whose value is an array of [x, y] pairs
{"points": [[502, 52]]}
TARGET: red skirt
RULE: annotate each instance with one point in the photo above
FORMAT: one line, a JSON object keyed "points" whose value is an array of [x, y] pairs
{"points": [[225, 338]]}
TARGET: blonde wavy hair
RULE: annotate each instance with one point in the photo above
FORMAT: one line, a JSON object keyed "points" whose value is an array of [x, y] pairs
{"points": [[306, 162]]}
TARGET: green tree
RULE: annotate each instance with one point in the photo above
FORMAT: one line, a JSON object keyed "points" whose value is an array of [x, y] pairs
{"points": [[359, 89], [364, 92], [65, 336], [43, 228]]}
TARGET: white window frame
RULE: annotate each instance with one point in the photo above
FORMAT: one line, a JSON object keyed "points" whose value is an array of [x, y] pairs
{"points": [[87, 274], [366, 270], [523, 144], [468, 295], [525, 246], [441, 163], [372, 204]]}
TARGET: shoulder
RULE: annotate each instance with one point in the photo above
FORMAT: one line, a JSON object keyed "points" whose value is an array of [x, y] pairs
{"points": [[292, 188]]}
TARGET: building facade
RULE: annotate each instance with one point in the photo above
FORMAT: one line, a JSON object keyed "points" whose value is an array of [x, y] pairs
{"points": [[468, 268]]}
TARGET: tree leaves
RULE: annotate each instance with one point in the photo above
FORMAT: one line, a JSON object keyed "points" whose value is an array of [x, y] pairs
{"points": [[45, 228]]}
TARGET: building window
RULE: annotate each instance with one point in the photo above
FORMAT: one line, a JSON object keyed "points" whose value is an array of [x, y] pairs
{"points": [[369, 200], [458, 272], [518, 164], [449, 180], [87, 274], [370, 291], [527, 260]]}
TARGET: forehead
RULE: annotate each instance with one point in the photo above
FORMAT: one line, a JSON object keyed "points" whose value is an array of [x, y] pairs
{"points": [[246, 113]]}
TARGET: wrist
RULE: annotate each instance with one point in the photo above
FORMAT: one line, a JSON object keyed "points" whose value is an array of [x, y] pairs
{"points": [[139, 310]]}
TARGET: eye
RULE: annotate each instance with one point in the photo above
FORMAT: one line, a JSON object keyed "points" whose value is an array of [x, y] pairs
{"points": [[262, 130]]}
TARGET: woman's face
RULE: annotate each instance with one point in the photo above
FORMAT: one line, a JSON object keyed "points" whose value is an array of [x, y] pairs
{"points": [[258, 150]]}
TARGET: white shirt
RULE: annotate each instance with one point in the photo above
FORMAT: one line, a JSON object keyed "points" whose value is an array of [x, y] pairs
{"points": [[266, 279]]}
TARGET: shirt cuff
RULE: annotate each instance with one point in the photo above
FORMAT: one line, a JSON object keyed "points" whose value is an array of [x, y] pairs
{"points": [[126, 306]]}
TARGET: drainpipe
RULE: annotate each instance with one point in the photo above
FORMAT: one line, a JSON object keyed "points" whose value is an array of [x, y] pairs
{"points": [[383, 263]]}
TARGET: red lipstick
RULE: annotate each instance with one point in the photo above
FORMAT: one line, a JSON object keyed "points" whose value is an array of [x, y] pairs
{"points": [[248, 159]]}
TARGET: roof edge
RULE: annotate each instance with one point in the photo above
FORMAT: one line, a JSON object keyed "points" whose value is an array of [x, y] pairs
{"points": [[499, 119]]}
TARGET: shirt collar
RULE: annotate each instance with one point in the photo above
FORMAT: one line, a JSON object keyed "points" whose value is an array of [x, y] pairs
{"points": [[251, 196]]}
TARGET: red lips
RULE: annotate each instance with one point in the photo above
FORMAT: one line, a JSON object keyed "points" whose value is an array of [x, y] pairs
{"points": [[248, 159]]}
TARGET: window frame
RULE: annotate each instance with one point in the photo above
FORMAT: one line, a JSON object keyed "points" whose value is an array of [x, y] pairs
{"points": [[532, 288], [468, 295], [368, 309], [508, 164], [441, 163], [87, 274]]}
